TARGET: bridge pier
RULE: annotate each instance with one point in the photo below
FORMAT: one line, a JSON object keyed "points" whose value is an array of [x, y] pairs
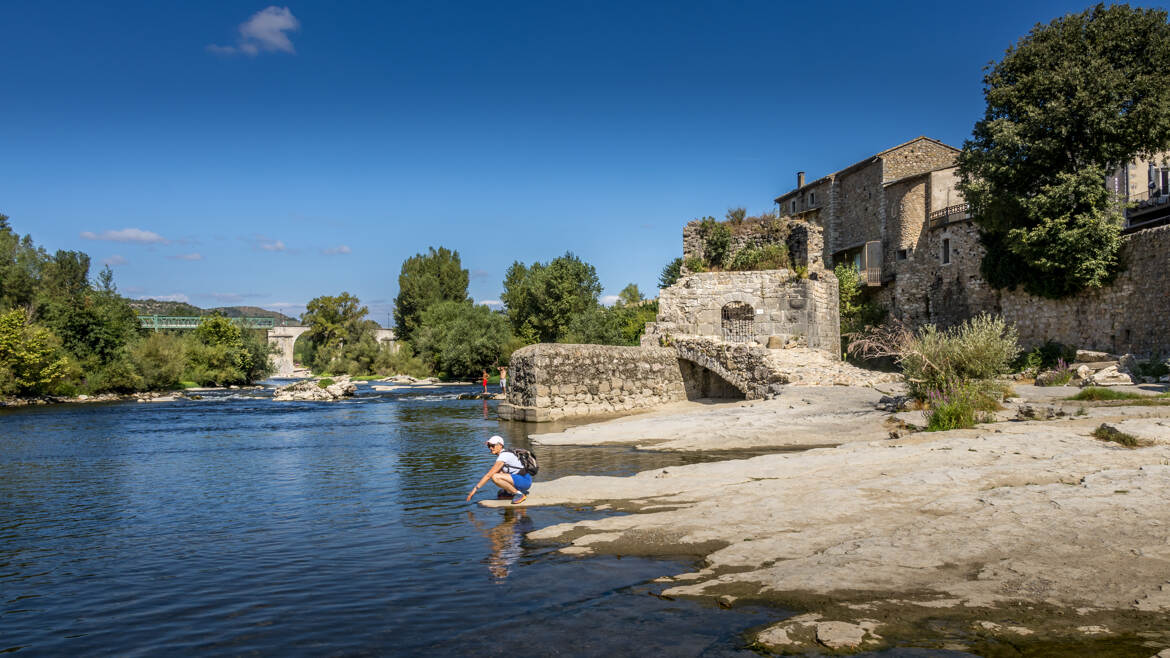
{"points": [[284, 338]]}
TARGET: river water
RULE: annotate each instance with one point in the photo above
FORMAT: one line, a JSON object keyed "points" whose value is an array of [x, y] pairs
{"points": [[236, 524]]}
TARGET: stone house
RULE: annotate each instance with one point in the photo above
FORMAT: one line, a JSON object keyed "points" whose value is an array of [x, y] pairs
{"points": [[901, 219], [868, 209]]}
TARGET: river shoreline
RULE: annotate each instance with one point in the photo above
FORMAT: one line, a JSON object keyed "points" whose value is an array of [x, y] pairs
{"points": [[1029, 534]]}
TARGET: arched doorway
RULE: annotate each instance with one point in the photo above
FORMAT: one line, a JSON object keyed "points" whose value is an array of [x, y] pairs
{"points": [[738, 322], [701, 383]]}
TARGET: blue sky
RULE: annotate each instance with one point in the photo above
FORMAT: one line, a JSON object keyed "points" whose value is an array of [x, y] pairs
{"points": [[245, 153]]}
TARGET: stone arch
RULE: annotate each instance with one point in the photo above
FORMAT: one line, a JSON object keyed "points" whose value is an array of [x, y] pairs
{"points": [[737, 321], [709, 361], [284, 338]]}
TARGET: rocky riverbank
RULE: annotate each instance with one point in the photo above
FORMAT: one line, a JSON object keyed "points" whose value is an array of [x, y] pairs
{"points": [[1013, 536]]}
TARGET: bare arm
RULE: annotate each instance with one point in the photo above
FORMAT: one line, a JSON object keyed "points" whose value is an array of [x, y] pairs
{"points": [[487, 476]]}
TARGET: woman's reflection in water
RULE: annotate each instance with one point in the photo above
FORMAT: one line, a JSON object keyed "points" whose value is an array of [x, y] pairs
{"points": [[506, 539]]}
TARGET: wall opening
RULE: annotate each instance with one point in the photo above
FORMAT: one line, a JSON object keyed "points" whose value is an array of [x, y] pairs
{"points": [[738, 322], [701, 383]]}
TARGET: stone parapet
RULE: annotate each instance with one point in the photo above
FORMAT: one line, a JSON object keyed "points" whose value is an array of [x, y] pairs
{"points": [[553, 381]]}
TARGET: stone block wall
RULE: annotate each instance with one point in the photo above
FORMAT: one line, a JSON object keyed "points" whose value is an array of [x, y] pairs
{"points": [[915, 158], [860, 204], [784, 307], [1131, 315], [906, 202], [552, 381]]}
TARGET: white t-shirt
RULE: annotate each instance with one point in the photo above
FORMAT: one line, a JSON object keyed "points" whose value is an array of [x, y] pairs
{"points": [[512, 463]]}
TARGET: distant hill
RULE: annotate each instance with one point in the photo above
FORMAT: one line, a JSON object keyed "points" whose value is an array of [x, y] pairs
{"points": [[156, 307]]}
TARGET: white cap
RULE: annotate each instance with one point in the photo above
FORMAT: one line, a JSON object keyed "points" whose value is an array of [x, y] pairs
{"points": [[495, 440]]}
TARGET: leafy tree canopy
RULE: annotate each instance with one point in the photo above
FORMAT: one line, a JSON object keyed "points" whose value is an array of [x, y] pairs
{"points": [[460, 339], [427, 279], [1069, 103], [670, 273], [542, 299]]}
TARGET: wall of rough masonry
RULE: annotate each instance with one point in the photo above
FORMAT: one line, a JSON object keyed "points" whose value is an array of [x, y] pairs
{"points": [[552, 381], [906, 202], [786, 308], [1131, 315], [803, 239], [915, 158], [860, 207]]}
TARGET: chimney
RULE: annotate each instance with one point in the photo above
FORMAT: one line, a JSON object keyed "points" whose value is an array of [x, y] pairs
{"points": [[799, 179]]}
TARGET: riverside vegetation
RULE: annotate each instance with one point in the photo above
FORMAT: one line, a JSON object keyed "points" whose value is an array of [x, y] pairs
{"points": [[63, 334]]}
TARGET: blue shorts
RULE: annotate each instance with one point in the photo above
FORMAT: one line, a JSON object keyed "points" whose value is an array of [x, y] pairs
{"points": [[522, 482]]}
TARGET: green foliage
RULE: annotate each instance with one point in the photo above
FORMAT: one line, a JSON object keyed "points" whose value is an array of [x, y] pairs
{"points": [[954, 407], [340, 338], [1071, 101], [716, 242], [695, 265], [541, 300], [623, 324], [117, 375], [461, 339], [735, 216], [855, 313], [979, 349], [400, 361], [324, 383], [31, 362], [670, 273], [160, 359], [218, 354], [1112, 434], [801, 271], [1044, 357], [1099, 394], [1060, 375], [772, 256], [630, 295], [425, 280]]}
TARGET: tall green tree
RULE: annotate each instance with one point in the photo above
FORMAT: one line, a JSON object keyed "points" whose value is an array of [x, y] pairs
{"points": [[541, 300], [31, 361], [341, 338], [425, 280], [670, 273], [460, 339], [1069, 103]]}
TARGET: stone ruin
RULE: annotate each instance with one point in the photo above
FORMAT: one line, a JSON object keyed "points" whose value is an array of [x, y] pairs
{"points": [[730, 335]]}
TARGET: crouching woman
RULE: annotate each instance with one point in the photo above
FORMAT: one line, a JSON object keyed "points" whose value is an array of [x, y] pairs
{"points": [[507, 473]]}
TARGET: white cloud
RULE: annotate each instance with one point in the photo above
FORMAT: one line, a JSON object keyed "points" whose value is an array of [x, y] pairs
{"points": [[339, 249], [176, 297], [266, 31], [272, 246], [115, 260], [266, 244], [135, 235], [191, 256], [494, 303], [609, 300]]}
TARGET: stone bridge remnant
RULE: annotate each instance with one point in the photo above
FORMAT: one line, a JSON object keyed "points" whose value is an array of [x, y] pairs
{"points": [[285, 339]]}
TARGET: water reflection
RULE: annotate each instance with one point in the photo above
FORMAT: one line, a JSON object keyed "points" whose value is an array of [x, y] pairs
{"points": [[506, 539]]}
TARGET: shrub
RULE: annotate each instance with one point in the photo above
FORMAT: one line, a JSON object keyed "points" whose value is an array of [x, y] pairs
{"points": [[160, 358], [695, 265], [801, 271], [931, 359], [1061, 375], [670, 273], [31, 359], [735, 216], [716, 242], [1098, 394], [400, 361], [1109, 433], [1043, 357], [958, 406], [325, 383], [773, 256]]}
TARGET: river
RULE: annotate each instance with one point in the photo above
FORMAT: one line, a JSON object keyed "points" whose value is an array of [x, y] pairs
{"points": [[236, 524]]}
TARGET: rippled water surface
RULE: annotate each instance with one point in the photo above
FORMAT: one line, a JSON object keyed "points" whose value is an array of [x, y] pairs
{"points": [[236, 524]]}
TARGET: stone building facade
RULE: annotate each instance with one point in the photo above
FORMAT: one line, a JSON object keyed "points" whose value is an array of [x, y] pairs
{"points": [[802, 238], [900, 218], [859, 206], [771, 308]]}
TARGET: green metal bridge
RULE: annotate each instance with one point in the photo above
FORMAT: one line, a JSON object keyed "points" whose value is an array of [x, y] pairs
{"points": [[190, 322]]}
